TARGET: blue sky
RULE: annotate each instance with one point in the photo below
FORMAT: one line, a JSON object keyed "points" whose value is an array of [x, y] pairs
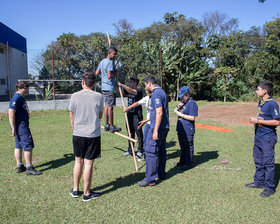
{"points": [[42, 21]]}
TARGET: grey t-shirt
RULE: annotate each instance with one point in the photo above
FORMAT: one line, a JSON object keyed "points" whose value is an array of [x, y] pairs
{"points": [[86, 105]]}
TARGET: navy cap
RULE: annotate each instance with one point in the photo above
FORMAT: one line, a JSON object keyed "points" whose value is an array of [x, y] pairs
{"points": [[184, 90]]}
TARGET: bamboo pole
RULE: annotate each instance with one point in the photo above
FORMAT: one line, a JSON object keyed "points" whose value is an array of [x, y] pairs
{"points": [[123, 136], [9, 73], [128, 130]]}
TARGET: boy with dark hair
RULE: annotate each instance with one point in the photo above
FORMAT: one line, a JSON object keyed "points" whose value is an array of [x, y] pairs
{"points": [[86, 109], [134, 115], [19, 122], [155, 150], [187, 111], [108, 71], [266, 121]]}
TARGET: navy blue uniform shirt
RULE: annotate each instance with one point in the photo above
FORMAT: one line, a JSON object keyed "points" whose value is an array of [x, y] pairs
{"points": [[19, 104], [159, 99], [190, 108], [268, 111]]}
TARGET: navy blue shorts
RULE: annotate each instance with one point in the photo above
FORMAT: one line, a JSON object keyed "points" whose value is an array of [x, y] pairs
{"points": [[89, 148], [23, 139]]}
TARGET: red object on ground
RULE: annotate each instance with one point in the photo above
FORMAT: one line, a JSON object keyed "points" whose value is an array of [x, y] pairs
{"points": [[213, 128]]}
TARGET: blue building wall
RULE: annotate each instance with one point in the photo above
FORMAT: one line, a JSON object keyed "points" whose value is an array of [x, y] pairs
{"points": [[14, 39]]}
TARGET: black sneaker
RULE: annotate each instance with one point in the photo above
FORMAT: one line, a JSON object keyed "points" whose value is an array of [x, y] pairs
{"points": [[252, 185], [31, 171], [114, 129], [21, 169], [92, 195], [267, 193], [144, 183], [107, 127], [74, 194]]}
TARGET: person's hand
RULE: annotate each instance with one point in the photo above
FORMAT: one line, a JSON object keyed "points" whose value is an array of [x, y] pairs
{"points": [[119, 84], [155, 135], [125, 109], [253, 120], [141, 123], [14, 132], [176, 110]]}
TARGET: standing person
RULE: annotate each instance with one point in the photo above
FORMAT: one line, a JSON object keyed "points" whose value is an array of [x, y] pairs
{"points": [[108, 71], [134, 115], [155, 151], [147, 102], [187, 110], [86, 109], [265, 139], [19, 122]]}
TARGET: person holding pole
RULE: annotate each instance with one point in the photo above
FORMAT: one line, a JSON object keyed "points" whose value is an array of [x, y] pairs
{"points": [[147, 102], [108, 71], [86, 109], [134, 114], [155, 151], [19, 122]]}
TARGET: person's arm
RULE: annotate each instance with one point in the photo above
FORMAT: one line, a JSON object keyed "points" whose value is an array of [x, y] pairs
{"points": [[72, 119], [128, 89], [12, 119], [98, 71], [159, 114], [274, 122], [100, 115], [184, 116], [136, 104], [141, 123]]}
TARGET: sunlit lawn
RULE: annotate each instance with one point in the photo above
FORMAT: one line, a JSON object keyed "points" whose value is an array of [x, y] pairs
{"points": [[209, 193]]}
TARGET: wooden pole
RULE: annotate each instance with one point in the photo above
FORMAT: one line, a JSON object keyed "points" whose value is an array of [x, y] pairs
{"points": [[109, 40], [53, 74], [128, 129], [123, 136]]}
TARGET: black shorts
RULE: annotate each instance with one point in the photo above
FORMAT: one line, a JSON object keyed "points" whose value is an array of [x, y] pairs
{"points": [[110, 98], [88, 148]]}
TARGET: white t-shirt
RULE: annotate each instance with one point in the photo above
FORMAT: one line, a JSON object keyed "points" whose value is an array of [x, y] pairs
{"points": [[147, 102], [86, 105]]}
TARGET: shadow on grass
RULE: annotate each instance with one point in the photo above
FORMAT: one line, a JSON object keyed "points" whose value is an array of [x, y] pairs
{"points": [[57, 163], [277, 174], [201, 158], [120, 182]]}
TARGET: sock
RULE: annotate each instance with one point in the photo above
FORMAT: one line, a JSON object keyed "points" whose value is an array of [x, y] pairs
{"points": [[19, 164], [29, 166]]}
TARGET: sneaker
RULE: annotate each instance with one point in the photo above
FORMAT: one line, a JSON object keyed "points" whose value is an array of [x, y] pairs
{"points": [[21, 169], [128, 153], [92, 195], [267, 193], [31, 171], [107, 127], [74, 194], [142, 160], [114, 129], [144, 183], [139, 154]]}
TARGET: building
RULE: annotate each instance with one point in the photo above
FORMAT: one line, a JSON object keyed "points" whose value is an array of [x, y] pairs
{"points": [[13, 60]]}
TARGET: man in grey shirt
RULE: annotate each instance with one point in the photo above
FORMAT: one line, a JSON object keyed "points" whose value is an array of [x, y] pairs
{"points": [[86, 109]]}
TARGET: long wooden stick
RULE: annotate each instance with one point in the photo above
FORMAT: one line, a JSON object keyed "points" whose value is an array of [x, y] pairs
{"points": [[128, 129], [109, 39], [123, 136]]}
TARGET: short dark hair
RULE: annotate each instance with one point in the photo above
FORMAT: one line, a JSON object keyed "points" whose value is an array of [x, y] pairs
{"points": [[134, 79], [150, 79], [89, 79], [267, 85], [112, 49], [21, 85]]}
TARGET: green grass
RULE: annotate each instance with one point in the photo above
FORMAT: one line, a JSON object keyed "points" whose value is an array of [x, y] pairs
{"points": [[200, 195]]}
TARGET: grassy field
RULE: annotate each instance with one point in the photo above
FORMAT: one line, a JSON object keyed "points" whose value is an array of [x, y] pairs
{"points": [[208, 193]]}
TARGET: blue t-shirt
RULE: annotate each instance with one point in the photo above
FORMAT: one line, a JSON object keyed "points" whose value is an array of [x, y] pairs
{"points": [[267, 111], [19, 104], [190, 108], [104, 66], [159, 99]]}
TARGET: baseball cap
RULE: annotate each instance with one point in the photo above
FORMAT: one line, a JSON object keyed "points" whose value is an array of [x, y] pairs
{"points": [[183, 91]]}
